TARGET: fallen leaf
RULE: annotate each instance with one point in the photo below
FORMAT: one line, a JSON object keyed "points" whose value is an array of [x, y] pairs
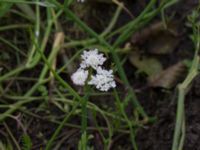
{"points": [[148, 65], [169, 77], [157, 38], [162, 43], [154, 29]]}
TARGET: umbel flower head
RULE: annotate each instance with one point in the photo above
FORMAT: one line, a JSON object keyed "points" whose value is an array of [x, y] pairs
{"points": [[79, 77], [103, 80], [92, 59]]}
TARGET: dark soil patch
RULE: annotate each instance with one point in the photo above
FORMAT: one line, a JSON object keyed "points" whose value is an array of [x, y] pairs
{"points": [[159, 135]]}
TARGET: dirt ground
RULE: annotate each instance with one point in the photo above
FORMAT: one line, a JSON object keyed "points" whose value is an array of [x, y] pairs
{"points": [[159, 135]]}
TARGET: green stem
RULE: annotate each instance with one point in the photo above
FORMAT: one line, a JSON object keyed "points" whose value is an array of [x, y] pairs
{"points": [[12, 136], [182, 139], [14, 107], [125, 35], [14, 26], [132, 131], [84, 118]]}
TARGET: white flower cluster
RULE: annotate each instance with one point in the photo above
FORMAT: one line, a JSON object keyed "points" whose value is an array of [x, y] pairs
{"points": [[103, 80], [92, 59]]}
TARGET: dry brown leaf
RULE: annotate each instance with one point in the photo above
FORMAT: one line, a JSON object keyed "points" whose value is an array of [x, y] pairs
{"points": [[162, 43], [169, 77], [158, 39], [154, 29]]}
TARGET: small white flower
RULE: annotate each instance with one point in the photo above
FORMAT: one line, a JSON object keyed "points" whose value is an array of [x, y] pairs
{"points": [[79, 77], [103, 80], [92, 59]]}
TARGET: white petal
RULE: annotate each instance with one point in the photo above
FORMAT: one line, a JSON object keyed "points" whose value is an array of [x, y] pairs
{"points": [[79, 77]]}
